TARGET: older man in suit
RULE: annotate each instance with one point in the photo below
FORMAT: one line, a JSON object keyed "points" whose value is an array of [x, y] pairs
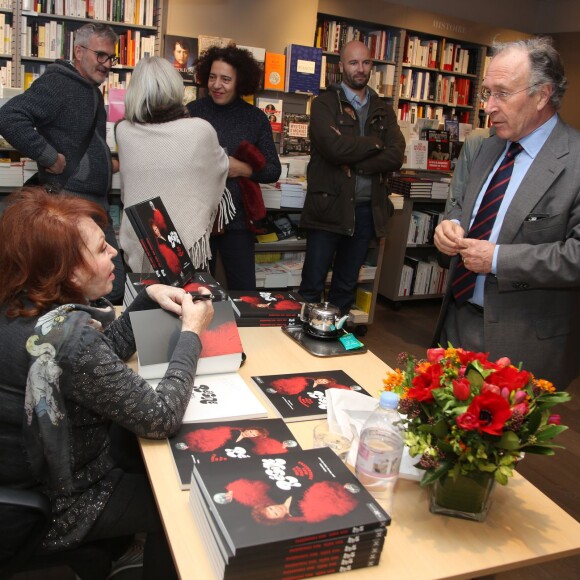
{"points": [[524, 301]]}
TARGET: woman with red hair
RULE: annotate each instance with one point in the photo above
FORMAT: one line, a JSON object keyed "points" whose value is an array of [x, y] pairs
{"points": [[64, 383], [320, 501], [208, 440]]}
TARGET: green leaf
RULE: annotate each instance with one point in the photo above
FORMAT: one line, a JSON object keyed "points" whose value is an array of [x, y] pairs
{"points": [[509, 440], [474, 377], [534, 421], [557, 397], [440, 429], [549, 432], [433, 475], [539, 450]]}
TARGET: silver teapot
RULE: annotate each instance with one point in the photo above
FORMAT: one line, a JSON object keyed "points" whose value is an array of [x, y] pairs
{"points": [[322, 319]]}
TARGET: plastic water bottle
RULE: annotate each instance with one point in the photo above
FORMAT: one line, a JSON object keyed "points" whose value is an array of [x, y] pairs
{"points": [[381, 449]]}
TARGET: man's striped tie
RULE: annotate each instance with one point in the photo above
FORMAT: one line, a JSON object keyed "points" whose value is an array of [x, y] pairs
{"points": [[464, 280]]}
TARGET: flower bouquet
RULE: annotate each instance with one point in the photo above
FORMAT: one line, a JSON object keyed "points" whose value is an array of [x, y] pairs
{"points": [[468, 417]]}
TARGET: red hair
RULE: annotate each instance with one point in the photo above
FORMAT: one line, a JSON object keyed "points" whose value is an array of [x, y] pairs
{"points": [[40, 248]]}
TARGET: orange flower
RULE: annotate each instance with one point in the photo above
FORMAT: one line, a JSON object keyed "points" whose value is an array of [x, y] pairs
{"points": [[393, 380]]}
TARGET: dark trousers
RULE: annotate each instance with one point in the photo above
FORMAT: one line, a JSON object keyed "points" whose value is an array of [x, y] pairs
{"points": [[463, 327], [132, 509], [236, 249], [348, 253]]}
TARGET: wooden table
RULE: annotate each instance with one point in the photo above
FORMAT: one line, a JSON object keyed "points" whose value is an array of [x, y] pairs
{"points": [[523, 527]]}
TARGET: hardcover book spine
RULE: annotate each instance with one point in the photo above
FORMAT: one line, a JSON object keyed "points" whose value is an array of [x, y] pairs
{"points": [[145, 243]]}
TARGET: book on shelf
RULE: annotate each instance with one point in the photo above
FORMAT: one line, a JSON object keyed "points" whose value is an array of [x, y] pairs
{"points": [[160, 241], [416, 154], [157, 332], [232, 441], [295, 133], [277, 227], [273, 110], [259, 55], [274, 71], [303, 69], [300, 396], [438, 150], [206, 41], [319, 501]]}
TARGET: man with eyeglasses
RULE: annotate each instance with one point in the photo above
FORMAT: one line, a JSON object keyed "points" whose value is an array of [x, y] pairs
{"points": [[63, 113], [514, 231]]}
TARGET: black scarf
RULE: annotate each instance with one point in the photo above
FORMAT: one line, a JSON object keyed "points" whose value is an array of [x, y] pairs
{"points": [[56, 337]]}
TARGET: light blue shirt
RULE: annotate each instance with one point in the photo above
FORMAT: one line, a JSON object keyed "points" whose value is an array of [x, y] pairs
{"points": [[354, 99], [531, 144]]}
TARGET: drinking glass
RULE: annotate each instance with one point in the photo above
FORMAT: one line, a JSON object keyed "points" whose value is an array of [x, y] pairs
{"points": [[338, 442]]}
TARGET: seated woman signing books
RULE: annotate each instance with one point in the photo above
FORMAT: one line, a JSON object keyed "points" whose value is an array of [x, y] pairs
{"points": [[63, 382], [163, 152]]}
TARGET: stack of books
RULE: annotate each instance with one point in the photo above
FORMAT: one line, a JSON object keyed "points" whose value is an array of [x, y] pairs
{"points": [[134, 283], [411, 186], [440, 189], [326, 521], [293, 192], [265, 308], [232, 440]]}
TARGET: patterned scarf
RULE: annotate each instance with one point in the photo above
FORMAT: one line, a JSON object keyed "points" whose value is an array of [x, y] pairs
{"points": [[56, 337]]}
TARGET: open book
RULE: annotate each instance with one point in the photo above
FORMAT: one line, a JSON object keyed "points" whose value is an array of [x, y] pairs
{"points": [[219, 392]]}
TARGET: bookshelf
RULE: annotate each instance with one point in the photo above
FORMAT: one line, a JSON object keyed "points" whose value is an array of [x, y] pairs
{"points": [[43, 32], [6, 29], [439, 78], [383, 42], [400, 250]]}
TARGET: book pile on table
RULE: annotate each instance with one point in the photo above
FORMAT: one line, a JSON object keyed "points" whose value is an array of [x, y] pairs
{"points": [[230, 440], [326, 521], [265, 308]]}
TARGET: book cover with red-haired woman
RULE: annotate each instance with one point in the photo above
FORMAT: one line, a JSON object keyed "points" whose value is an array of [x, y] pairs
{"points": [[161, 242], [210, 442], [267, 504], [299, 396]]}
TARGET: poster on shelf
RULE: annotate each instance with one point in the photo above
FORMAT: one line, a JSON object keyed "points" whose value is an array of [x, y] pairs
{"points": [[181, 51]]}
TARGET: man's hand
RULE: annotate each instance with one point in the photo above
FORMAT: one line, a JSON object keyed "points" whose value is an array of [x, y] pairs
{"points": [[477, 255], [58, 166], [195, 315], [115, 165], [449, 237]]}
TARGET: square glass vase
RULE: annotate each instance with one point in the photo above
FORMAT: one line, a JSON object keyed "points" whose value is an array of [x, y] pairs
{"points": [[466, 496]]}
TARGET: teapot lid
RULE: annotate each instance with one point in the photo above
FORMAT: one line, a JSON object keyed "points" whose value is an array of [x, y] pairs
{"points": [[325, 308]]}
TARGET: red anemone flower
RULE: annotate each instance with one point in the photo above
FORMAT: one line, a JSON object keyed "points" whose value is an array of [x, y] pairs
{"points": [[490, 412]]}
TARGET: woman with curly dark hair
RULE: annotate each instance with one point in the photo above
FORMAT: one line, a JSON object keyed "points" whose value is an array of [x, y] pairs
{"points": [[244, 131]]}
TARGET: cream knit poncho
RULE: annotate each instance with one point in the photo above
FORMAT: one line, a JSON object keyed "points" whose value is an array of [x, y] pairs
{"points": [[182, 162]]}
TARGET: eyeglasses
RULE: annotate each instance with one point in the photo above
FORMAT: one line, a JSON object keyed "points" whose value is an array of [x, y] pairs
{"points": [[486, 94], [103, 57]]}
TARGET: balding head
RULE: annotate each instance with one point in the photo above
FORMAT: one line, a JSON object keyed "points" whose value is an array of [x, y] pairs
{"points": [[355, 65]]}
